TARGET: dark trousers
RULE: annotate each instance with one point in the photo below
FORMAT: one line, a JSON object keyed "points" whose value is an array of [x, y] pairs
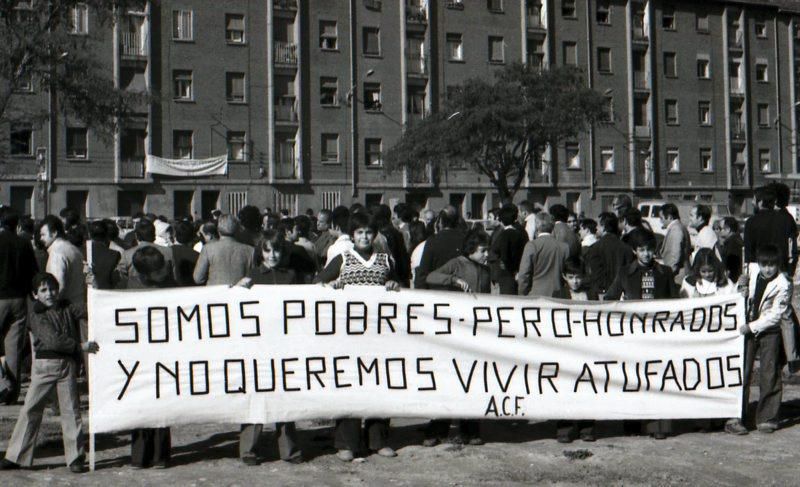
{"points": [[768, 347], [348, 434], [506, 282], [573, 428], [12, 329], [440, 428], [285, 433], [150, 446]]}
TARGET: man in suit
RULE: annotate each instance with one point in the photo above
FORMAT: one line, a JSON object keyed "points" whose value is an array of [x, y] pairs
{"points": [[542, 260], [183, 255], [441, 247], [225, 261], [607, 255], [767, 226], [145, 236], [506, 250], [104, 261], [563, 232], [676, 247]]}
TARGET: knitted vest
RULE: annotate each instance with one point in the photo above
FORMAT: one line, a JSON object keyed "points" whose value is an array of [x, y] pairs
{"points": [[356, 271]]}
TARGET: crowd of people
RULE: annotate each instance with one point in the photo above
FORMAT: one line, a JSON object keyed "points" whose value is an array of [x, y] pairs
{"points": [[525, 250]]}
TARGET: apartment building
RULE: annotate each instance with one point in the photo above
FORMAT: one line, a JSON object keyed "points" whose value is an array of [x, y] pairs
{"points": [[302, 97]]}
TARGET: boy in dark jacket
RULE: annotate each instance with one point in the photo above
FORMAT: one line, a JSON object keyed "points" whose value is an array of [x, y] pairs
{"points": [[645, 279], [55, 326]]}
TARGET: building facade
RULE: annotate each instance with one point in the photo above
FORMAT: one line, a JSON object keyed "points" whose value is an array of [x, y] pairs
{"points": [[302, 97]]}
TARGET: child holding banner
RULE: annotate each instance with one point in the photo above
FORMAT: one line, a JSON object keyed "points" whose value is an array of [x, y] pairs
{"points": [[468, 273], [361, 266], [274, 256], [575, 289], [769, 304], [644, 279], [150, 447], [707, 277], [57, 344]]}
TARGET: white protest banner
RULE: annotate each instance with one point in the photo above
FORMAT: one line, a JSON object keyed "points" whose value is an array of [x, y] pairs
{"points": [[284, 353]]}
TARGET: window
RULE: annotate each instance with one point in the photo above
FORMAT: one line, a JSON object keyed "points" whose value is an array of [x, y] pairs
{"points": [[607, 159], [761, 29], [608, 109], [763, 115], [568, 9], [372, 152], [671, 110], [237, 146], [455, 4], [604, 59], [496, 50], [330, 147], [328, 91], [673, 159], [234, 28], [234, 87], [79, 19], [328, 37], [415, 106], [372, 41], [182, 144], [182, 85], [603, 13], [372, 97], [573, 153], [455, 50], [182, 25], [703, 68], [764, 160], [77, 145], [570, 53], [668, 18], [494, 5], [706, 160], [704, 112], [670, 65], [21, 141], [762, 75], [701, 23]]}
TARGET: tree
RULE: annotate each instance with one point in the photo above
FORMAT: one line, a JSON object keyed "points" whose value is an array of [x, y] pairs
{"points": [[38, 45], [499, 128]]}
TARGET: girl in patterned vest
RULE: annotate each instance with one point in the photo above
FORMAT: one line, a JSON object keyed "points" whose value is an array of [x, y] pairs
{"points": [[361, 266]]}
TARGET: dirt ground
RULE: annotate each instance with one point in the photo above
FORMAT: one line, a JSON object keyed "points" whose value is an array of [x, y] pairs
{"points": [[515, 453]]}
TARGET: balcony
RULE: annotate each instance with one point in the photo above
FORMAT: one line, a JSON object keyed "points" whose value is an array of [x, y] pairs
{"points": [[539, 173], [420, 177], [536, 61], [285, 169], [416, 64], [735, 38], [737, 89], [131, 169], [738, 132], [641, 80], [285, 4], [642, 131], [132, 45], [640, 31], [739, 174], [645, 174], [286, 109], [285, 53], [416, 14], [536, 22], [455, 4]]}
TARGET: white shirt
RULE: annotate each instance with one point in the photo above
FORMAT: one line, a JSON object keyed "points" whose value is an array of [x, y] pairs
{"points": [[338, 247], [589, 240], [530, 225], [416, 259], [706, 238]]}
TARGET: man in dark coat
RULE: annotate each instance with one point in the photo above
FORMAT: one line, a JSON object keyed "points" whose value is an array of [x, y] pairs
{"points": [[184, 257], [103, 260], [768, 226], [506, 251], [605, 258], [441, 247]]}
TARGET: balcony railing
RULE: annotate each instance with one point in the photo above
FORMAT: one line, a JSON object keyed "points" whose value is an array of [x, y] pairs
{"points": [[739, 171], [285, 169], [416, 64], [645, 174], [416, 14], [642, 131], [640, 31], [539, 172], [536, 61], [737, 132], [418, 177], [132, 45], [736, 86], [286, 109], [285, 53], [132, 168]]}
